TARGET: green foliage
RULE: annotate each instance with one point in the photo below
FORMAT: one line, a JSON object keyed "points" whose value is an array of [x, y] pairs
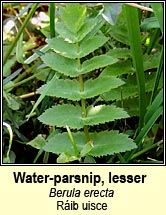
{"points": [[70, 68], [86, 47], [69, 59], [94, 65], [103, 143], [62, 115], [92, 87], [73, 16]]}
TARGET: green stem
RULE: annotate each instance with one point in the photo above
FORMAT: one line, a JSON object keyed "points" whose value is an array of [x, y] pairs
{"points": [[83, 101], [83, 108], [30, 14], [72, 141]]}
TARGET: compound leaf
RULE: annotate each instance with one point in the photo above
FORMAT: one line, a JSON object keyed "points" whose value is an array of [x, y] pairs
{"points": [[90, 28], [84, 31]]}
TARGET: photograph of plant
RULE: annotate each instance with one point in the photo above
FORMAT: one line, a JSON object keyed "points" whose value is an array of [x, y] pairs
{"points": [[83, 83]]}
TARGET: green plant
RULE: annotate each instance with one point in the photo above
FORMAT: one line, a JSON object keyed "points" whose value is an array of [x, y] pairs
{"points": [[96, 69], [79, 36]]}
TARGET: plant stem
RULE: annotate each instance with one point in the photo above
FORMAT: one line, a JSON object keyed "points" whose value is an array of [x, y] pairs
{"points": [[72, 141], [83, 101], [83, 107]]}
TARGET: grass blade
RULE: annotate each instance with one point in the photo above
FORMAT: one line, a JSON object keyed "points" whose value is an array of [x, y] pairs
{"points": [[158, 76], [135, 44], [154, 106], [149, 125], [144, 132]]}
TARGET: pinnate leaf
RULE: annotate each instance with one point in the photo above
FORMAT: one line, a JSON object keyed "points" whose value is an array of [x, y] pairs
{"points": [[89, 28]]}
